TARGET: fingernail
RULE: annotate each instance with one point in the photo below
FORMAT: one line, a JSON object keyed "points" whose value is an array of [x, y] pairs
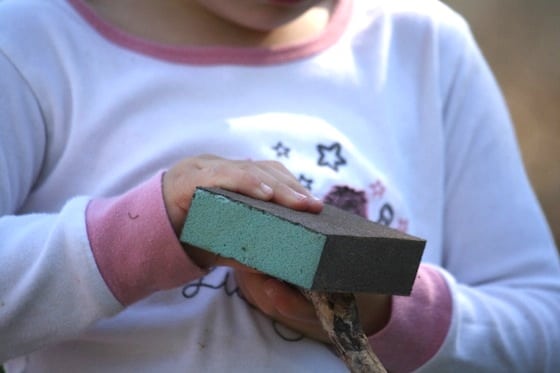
{"points": [[299, 195], [266, 189]]}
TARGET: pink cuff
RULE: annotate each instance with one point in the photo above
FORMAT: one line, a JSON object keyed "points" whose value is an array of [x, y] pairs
{"points": [[418, 325], [134, 245]]}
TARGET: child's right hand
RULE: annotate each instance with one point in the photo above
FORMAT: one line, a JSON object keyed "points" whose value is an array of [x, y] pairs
{"points": [[265, 180]]}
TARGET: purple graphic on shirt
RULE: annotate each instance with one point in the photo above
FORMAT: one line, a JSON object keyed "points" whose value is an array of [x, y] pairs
{"points": [[348, 199]]}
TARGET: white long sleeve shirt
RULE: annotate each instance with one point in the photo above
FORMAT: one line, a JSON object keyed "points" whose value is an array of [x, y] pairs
{"points": [[391, 112]]}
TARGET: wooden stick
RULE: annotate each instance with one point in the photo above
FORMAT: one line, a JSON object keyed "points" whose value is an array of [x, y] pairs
{"points": [[338, 314]]}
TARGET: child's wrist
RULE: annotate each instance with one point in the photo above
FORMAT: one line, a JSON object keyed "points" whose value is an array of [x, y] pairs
{"points": [[134, 246]]}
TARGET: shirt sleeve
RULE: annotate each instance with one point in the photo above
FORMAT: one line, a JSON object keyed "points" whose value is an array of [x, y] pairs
{"points": [[134, 244], [63, 271], [500, 261], [22, 137], [418, 324], [49, 286]]}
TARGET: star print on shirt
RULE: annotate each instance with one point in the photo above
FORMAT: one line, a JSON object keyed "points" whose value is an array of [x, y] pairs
{"points": [[377, 189], [282, 151], [330, 156], [305, 181], [402, 225]]}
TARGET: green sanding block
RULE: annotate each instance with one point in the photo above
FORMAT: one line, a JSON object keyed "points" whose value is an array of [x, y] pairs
{"points": [[333, 251]]}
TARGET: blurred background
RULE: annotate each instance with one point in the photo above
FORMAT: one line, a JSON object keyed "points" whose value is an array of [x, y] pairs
{"points": [[521, 41]]}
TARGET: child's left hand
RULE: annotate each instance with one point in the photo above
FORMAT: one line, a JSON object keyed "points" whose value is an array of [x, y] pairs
{"points": [[287, 305]]}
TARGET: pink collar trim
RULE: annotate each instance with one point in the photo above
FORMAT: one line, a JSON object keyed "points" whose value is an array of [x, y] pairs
{"points": [[220, 55]]}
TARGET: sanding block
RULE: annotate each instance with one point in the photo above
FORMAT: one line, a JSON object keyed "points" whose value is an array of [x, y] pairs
{"points": [[333, 251]]}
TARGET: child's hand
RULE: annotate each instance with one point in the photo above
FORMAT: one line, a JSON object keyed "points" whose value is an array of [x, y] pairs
{"points": [[286, 304], [265, 180]]}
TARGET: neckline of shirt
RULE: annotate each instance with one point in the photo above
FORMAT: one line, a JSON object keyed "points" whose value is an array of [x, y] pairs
{"points": [[220, 55]]}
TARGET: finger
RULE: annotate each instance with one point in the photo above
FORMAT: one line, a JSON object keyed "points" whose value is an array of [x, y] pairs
{"points": [[287, 189], [283, 174], [248, 180], [254, 290], [374, 311], [294, 310], [287, 196], [275, 297], [251, 288], [266, 180], [288, 301], [260, 181]]}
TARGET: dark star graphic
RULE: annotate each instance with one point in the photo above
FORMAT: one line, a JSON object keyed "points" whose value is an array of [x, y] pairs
{"points": [[305, 181], [330, 156], [282, 151]]}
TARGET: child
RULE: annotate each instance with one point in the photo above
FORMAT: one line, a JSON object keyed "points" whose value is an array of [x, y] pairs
{"points": [[384, 108]]}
